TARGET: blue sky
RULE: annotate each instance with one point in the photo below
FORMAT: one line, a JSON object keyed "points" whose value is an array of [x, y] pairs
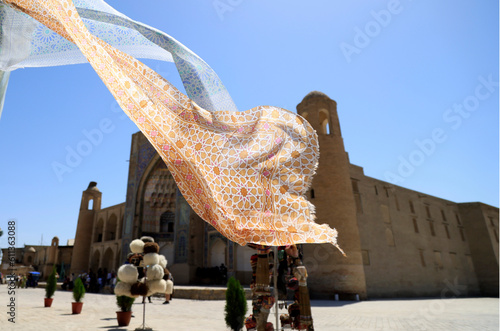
{"points": [[416, 84]]}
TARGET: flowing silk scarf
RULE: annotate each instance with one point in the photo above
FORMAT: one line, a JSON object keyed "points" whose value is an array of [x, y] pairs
{"points": [[25, 42], [245, 173]]}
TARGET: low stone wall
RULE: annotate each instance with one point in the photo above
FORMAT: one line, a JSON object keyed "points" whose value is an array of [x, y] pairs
{"points": [[203, 293], [183, 292]]}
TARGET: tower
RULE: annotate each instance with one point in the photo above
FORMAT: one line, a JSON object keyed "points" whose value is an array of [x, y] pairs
{"points": [[91, 203], [52, 253], [332, 194]]}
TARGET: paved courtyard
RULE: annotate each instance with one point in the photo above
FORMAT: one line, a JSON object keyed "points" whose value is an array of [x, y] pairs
{"points": [[182, 314]]}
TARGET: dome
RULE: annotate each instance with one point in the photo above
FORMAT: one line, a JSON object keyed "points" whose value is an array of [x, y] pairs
{"points": [[93, 186], [32, 250], [316, 94]]}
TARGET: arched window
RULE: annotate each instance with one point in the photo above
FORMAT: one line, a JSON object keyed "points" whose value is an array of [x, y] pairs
{"points": [[167, 220], [55, 241], [218, 253], [99, 229], [91, 204], [110, 233], [324, 121]]}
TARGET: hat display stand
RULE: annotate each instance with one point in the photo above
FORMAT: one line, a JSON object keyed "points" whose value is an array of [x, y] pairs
{"points": [[144, 327], [143, 273]]}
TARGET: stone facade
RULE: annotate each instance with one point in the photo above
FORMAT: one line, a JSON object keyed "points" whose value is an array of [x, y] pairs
{"points": [[414, 244], [90, 204], [331, 193], [39, 258], [480, 222], [398, 242], [105, 247]]}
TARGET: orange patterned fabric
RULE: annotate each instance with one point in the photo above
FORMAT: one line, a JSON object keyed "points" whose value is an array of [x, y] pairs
{"points": [[245, 173]]}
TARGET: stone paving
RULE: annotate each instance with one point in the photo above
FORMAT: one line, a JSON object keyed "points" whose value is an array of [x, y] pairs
{"points": [[184, 314]]}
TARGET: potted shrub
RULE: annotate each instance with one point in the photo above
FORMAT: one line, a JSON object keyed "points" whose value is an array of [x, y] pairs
{"points": [[125, 314], [78, 293], [50, 288], [236, 305]]}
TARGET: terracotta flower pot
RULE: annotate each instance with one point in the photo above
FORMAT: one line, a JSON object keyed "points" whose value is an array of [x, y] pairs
{"points": [[48, 302], [123, 317], [76, 307]]}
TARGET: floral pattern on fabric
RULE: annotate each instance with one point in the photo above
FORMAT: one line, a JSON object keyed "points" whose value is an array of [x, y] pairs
{"points": [[245, 173]]}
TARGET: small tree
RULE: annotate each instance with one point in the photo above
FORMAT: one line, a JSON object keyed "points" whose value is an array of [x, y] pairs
{"points": [[124, 302], [236, 305], [51, 284], [78, 290]]}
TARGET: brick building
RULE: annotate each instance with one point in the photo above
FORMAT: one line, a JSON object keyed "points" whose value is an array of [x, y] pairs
{"points": [[398, 242]]}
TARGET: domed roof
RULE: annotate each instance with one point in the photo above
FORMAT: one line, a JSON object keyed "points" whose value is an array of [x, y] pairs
{"points": [[31, 250], [93, 186], [315, 94]]}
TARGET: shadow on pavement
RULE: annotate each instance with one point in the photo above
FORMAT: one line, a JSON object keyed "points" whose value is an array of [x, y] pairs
{"points": [[331, 303]]}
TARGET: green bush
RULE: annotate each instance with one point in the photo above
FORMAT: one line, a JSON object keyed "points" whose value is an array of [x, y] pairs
{"points": [[78, 290], [124, 302], [51, 284], [236, 305]]}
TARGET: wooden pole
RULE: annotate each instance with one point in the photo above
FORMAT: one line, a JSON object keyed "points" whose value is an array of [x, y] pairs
{"points": [[275, 249]]}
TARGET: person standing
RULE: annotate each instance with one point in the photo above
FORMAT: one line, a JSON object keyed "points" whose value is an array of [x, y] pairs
{"points": [[170, 286], [109, 276]]}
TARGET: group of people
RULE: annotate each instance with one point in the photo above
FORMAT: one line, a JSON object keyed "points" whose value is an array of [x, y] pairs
{"points": [[215, 275], [93, 282], [23, 281]]}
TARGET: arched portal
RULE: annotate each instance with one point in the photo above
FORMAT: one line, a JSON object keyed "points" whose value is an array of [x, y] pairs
{"points": [[243, 255], [158, 196], [218, 253], [107, 260]]}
